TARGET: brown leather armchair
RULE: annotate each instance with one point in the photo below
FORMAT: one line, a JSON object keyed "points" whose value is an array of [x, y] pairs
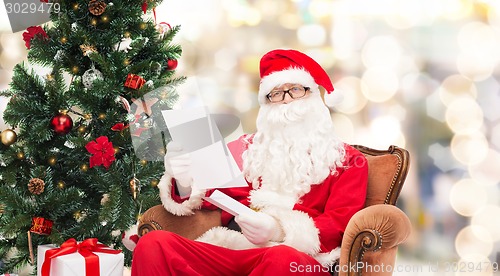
{"points": [[372, 236]]}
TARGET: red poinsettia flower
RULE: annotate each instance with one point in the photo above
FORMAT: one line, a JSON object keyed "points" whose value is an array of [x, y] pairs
{"points": [[103, 152], [31, 32], [119, 127]]}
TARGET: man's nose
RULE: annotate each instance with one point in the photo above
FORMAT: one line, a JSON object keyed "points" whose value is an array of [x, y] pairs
{"points": [[287, 98]]}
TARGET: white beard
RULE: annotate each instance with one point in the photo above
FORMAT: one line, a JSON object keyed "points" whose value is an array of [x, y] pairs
{"points": [[294, 147]]}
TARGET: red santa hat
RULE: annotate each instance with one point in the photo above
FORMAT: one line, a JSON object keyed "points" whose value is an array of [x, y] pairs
{"points": [[290, 66]]}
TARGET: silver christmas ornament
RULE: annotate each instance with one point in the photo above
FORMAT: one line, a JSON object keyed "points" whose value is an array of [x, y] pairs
{"points": [[90, 76]]}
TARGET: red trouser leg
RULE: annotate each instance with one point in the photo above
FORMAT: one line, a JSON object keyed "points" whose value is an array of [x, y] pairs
{"points": [[164, 253]]}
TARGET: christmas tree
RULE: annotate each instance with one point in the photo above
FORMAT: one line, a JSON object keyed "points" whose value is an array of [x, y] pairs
{"points": [[69, 168]]}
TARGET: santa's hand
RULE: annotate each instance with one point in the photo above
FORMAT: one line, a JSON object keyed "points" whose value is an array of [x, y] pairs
{"points": [[177, 165], [259, 228]]}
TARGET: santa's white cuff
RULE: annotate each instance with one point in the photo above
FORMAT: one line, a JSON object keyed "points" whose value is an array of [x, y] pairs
{"points": [[299, 229], [179, 209]]}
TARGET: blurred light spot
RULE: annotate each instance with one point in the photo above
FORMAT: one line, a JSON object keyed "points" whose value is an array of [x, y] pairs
{"points": [[13, 50], [381, 51], [347, 36], [409, 13], [385, 131], [478, 37], [456, 86], [475, 66], [495, 135], [290, 20], [241, 14], [475, 265], [469, 149], [434, 107], [487, 218], [489, 98], [321, 8], [478, 43], [486, 172], [225, 59], [354, 100], [471, 241], [344, 127], [464, 115], [443, 159], [379, 84], [312, 35], [415, 86], [242, 99], [467, 196], [456, 9]]}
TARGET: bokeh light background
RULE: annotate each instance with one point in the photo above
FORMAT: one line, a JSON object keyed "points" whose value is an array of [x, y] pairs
{"points": [[419, 74]]}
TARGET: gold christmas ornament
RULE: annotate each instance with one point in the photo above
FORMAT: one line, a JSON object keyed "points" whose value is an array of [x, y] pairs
{"points": [[36, 186], [154, 182], [134, 187], [20, 155], [87, 49], [97, 7], [102, 116], [8, 137], [143, 162]]}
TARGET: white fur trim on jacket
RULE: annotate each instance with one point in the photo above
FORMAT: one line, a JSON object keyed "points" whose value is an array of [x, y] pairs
{"points": [[299, 234], [225, 237], [262, 198], [179, 209], [291, 75], [329, 258]]}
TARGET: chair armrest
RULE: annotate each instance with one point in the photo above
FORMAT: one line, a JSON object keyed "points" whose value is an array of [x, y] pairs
{"points": [[191, 227], [376, 231]]}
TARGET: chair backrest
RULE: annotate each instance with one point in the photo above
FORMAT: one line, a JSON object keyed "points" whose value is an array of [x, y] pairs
{"points": [[387, 170]]}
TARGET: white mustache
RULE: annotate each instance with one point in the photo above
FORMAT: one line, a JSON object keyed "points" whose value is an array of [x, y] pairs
{"points": [[288, 113]]}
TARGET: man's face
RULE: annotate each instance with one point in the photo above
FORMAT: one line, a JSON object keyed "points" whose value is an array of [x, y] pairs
{"points": [[287, 93]]}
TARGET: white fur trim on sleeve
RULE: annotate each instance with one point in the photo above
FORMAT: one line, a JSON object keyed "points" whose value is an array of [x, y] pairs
{"points": [[300, 231], [291, 75], [179, 209]]}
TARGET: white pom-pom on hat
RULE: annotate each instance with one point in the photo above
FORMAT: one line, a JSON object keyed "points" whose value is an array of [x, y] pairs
{"points": [[334, 99]]}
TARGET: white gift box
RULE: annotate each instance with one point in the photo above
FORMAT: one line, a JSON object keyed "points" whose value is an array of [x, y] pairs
{"points": [[74, 264]]}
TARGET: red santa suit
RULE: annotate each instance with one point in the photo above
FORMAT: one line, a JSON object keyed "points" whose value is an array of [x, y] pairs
{"points": [[312, 219], [314, 225]]}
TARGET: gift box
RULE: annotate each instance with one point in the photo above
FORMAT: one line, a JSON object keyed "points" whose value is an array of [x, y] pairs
{"points": [[134, 81], [86, 258]]}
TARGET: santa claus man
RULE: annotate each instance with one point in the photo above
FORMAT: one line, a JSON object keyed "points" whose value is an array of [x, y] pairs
{"points": [[303, 181]]}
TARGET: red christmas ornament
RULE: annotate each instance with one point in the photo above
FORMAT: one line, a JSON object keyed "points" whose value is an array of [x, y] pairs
{"points": [[61, 123], [134, 81], [172, 64]]}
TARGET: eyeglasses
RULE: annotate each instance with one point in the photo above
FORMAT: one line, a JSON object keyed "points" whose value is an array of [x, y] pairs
{"points": [[295, 92]]}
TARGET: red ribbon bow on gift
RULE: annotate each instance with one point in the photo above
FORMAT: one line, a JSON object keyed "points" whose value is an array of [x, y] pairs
{"points": [[85, 248]]}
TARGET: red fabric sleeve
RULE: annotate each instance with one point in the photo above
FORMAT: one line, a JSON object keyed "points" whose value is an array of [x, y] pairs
{"points": [[347, 196]]}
